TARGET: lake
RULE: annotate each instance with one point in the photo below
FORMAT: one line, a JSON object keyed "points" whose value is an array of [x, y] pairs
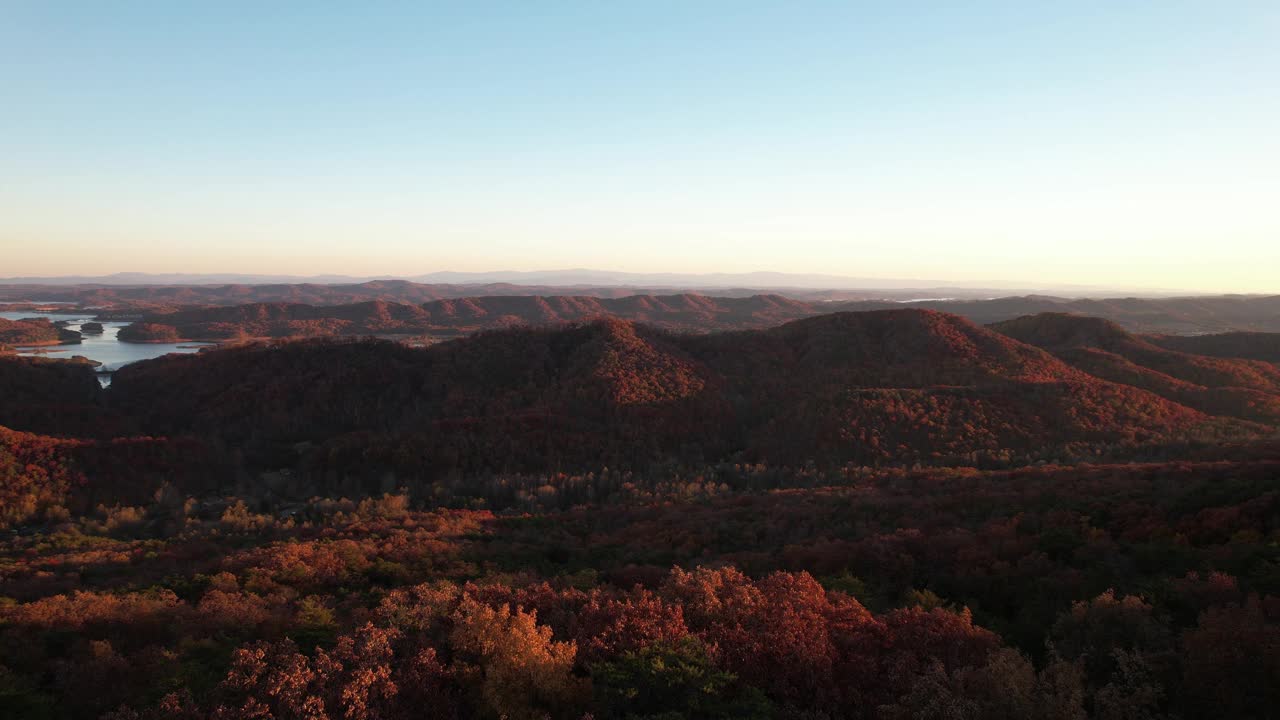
{"points": [[105, 348]]}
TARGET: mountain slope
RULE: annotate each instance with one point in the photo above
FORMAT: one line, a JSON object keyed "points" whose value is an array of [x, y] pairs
{"points": [[52, 396], [921, 386], [1247, 389], [897, 388]]}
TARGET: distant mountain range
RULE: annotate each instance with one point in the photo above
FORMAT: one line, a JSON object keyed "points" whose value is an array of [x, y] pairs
{"points": [[1178, 315], [764, 281], [587, 278]]}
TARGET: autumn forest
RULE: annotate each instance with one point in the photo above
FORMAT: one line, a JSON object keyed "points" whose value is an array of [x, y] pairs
{"points": [[891, 513]]}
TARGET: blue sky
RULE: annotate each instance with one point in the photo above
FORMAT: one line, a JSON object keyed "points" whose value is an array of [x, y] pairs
{"points": [[1133, 144]]}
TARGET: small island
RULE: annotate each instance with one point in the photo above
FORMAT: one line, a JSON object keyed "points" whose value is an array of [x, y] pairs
{"points": [[35, 331], [91, 328], [149, 332]]}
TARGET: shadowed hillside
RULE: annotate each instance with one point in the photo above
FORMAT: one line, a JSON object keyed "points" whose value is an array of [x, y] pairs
{"points": [[897, 387], [1235, 387], [52, 396]]}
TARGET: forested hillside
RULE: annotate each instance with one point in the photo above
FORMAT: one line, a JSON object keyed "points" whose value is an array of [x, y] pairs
{"points": [[34, 331], [891, 388], [1233, 386], [452, 317]]}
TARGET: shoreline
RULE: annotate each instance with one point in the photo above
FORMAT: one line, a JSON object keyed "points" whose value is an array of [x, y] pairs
{"points": [[50, 343]]}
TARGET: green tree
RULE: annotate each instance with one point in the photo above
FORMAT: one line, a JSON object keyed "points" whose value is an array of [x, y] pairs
{"points": [[673, 680]]}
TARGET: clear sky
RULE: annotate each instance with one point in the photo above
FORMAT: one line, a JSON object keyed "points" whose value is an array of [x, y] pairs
{"points": [[1115, 143]]}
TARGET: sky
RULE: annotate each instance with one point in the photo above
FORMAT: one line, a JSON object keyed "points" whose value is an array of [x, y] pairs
{"points": [[1129, 144]]}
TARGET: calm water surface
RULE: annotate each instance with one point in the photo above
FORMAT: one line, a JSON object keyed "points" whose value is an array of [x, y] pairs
{"points": [[105, 348]]}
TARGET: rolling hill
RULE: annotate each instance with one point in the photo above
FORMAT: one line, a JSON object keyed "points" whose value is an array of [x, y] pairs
{"points": [[898, 388], [1243, 388], [451, 317], [684, 312]]}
